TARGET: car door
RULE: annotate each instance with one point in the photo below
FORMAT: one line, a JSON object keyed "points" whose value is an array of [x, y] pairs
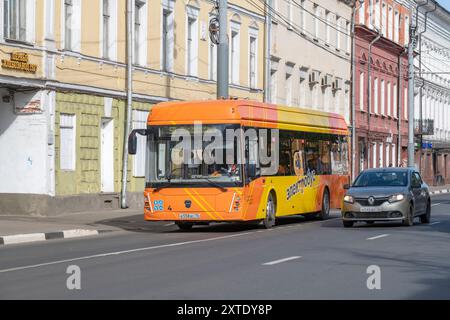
{"points": [[416, 187]]}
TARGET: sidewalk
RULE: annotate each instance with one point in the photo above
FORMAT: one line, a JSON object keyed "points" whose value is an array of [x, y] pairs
{"points": [[439, 189], [21, 229]]}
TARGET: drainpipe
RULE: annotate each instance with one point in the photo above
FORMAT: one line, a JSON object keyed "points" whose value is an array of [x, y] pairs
{"points": [[398, 102], [268, 26], [130, 35], [422, 85], [369, 90]]}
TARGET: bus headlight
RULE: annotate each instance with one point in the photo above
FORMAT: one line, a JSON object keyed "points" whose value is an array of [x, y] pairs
{"points": [[396, 198], [349, 199]]}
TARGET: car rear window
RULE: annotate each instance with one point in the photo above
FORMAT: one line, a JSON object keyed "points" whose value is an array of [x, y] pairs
{"points": [[382, 179]]}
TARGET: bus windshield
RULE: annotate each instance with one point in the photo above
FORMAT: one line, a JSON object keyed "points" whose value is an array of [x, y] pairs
{"points": [[169, 165]]}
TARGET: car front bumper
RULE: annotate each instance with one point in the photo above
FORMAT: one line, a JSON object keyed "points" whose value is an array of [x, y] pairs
{"points": [[396, 211]]}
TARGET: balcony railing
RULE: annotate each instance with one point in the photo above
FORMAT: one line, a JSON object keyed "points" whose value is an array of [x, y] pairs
{"points": [[426, 129]]}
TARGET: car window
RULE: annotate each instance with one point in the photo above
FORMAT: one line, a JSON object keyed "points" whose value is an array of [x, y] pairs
{"points": [[382, 179], [416, 179]]}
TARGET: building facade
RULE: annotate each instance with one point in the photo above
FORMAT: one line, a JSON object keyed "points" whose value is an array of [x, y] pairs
{"points": [[63, 84], [381, 94], [310, 54], [432, 93]]}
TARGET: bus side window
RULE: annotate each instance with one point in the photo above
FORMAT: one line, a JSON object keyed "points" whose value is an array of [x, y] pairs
{"points": [[298, 151], [285, 163]]}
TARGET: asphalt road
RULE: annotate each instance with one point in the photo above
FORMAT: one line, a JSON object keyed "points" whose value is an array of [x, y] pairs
{"points": [[298, 259]]}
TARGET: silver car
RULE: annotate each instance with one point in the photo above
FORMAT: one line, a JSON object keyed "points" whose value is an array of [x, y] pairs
{"points": [[387, 194]]}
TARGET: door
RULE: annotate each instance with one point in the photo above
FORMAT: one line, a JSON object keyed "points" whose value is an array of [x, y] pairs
{"points": [[107, 155], [419, 193]]}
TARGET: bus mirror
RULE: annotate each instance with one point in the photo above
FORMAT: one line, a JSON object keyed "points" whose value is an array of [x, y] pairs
{"points": [[132, 140]]}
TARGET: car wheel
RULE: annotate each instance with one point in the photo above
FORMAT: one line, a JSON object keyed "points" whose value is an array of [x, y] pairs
{"points": [[325, 211], [185, 226], [409, 220], [426, 218], [347, 224], [269, 221]]}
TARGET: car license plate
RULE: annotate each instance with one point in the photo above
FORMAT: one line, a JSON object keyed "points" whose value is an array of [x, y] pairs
{"points": [[369, 209], [189, 216]]}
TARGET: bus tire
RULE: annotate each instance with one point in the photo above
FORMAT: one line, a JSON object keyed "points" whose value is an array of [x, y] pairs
{"points": [[271, 209], [325, 210], [185, 226]]}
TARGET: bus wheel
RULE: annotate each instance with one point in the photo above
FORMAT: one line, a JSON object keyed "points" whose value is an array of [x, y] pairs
{"points": [[185, 226], [269, 221], [325, 212]]}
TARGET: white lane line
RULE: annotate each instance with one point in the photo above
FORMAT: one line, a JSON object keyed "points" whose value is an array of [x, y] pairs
{"points": [[101, 255], [437, 222], [435, 204], [378, 237], [271, 263]]}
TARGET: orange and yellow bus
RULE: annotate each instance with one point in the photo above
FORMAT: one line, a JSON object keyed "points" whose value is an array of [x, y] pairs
{"points": [[306, 174]]}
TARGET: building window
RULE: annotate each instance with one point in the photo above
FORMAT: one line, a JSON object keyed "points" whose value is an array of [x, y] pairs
{"points": [[389, 98], [289, 13], [396, 26], [316, 21], [348, 37], [140, 32], [338, 33], [375, 96], [167, 38], [192, 45], [67, 124], [361, 91], [15, 16], [288, 89], [383, 106], [109, 27], [394, 155], [273, 86], [252, 62], [212, 61], [371, 14], [302, 16], [406, 40], [381, 164], [388, 150], [68, 13], [384, 20], [405, 103], [389, 27], [235, 53], [374, 155], [395, 103], [139, 122], [328, 27], [362, 13], [377, 16]]}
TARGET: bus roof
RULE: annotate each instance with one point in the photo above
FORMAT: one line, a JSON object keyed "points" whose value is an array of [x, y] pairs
{"points": [[247, 113]]}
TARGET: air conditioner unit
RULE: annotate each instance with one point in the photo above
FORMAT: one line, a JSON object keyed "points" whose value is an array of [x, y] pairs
{"points": [[327, 81], [314, 77], [337, 84]]}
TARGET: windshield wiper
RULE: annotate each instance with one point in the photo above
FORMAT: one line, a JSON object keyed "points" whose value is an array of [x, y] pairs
{"points": [[223, 189]]}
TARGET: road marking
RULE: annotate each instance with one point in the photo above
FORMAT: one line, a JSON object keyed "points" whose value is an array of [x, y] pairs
{"points": [[378, 237], [437, 222], [271, 263], [435, 204], [101, 255]]}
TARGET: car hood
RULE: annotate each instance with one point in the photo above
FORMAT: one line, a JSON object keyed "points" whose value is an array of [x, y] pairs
{"points": [[377, 192]]}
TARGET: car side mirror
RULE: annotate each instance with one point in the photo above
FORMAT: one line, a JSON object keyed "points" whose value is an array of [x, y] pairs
{"points": [[132, 140], [346, 186]]}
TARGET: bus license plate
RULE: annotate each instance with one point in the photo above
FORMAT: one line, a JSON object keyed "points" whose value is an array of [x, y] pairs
{"points": [[189, 216], [369, 209]]}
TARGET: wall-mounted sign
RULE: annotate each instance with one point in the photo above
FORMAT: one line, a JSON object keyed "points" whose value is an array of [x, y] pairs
{"points": [[19, 61]]}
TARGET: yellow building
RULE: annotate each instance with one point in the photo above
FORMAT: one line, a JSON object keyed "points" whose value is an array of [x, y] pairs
{"points": [[63, 90]]}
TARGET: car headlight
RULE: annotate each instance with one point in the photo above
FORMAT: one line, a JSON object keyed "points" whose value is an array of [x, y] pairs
{"points": [[349, 199], [396, 197]]}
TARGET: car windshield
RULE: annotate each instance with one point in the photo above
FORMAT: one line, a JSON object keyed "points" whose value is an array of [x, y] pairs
{"points": [[382, 179]]}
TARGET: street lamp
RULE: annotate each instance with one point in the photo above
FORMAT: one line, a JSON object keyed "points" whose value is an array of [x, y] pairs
{"points": [[353, 66]]}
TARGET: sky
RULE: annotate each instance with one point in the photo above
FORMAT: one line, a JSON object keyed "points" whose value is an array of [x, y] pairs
{"points": [[445, 4]]}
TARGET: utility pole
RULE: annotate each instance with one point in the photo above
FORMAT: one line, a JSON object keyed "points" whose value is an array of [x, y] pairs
{"points": [[130, 35], [222, 52], [268, 22], [411, 46]]}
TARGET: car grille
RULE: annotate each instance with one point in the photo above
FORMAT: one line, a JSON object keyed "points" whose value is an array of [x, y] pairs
{"points": [[365, 202], [374, 215]]}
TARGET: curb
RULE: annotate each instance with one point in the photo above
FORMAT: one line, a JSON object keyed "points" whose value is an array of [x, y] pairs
{"points": [[442, 191], [33, 237]]}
